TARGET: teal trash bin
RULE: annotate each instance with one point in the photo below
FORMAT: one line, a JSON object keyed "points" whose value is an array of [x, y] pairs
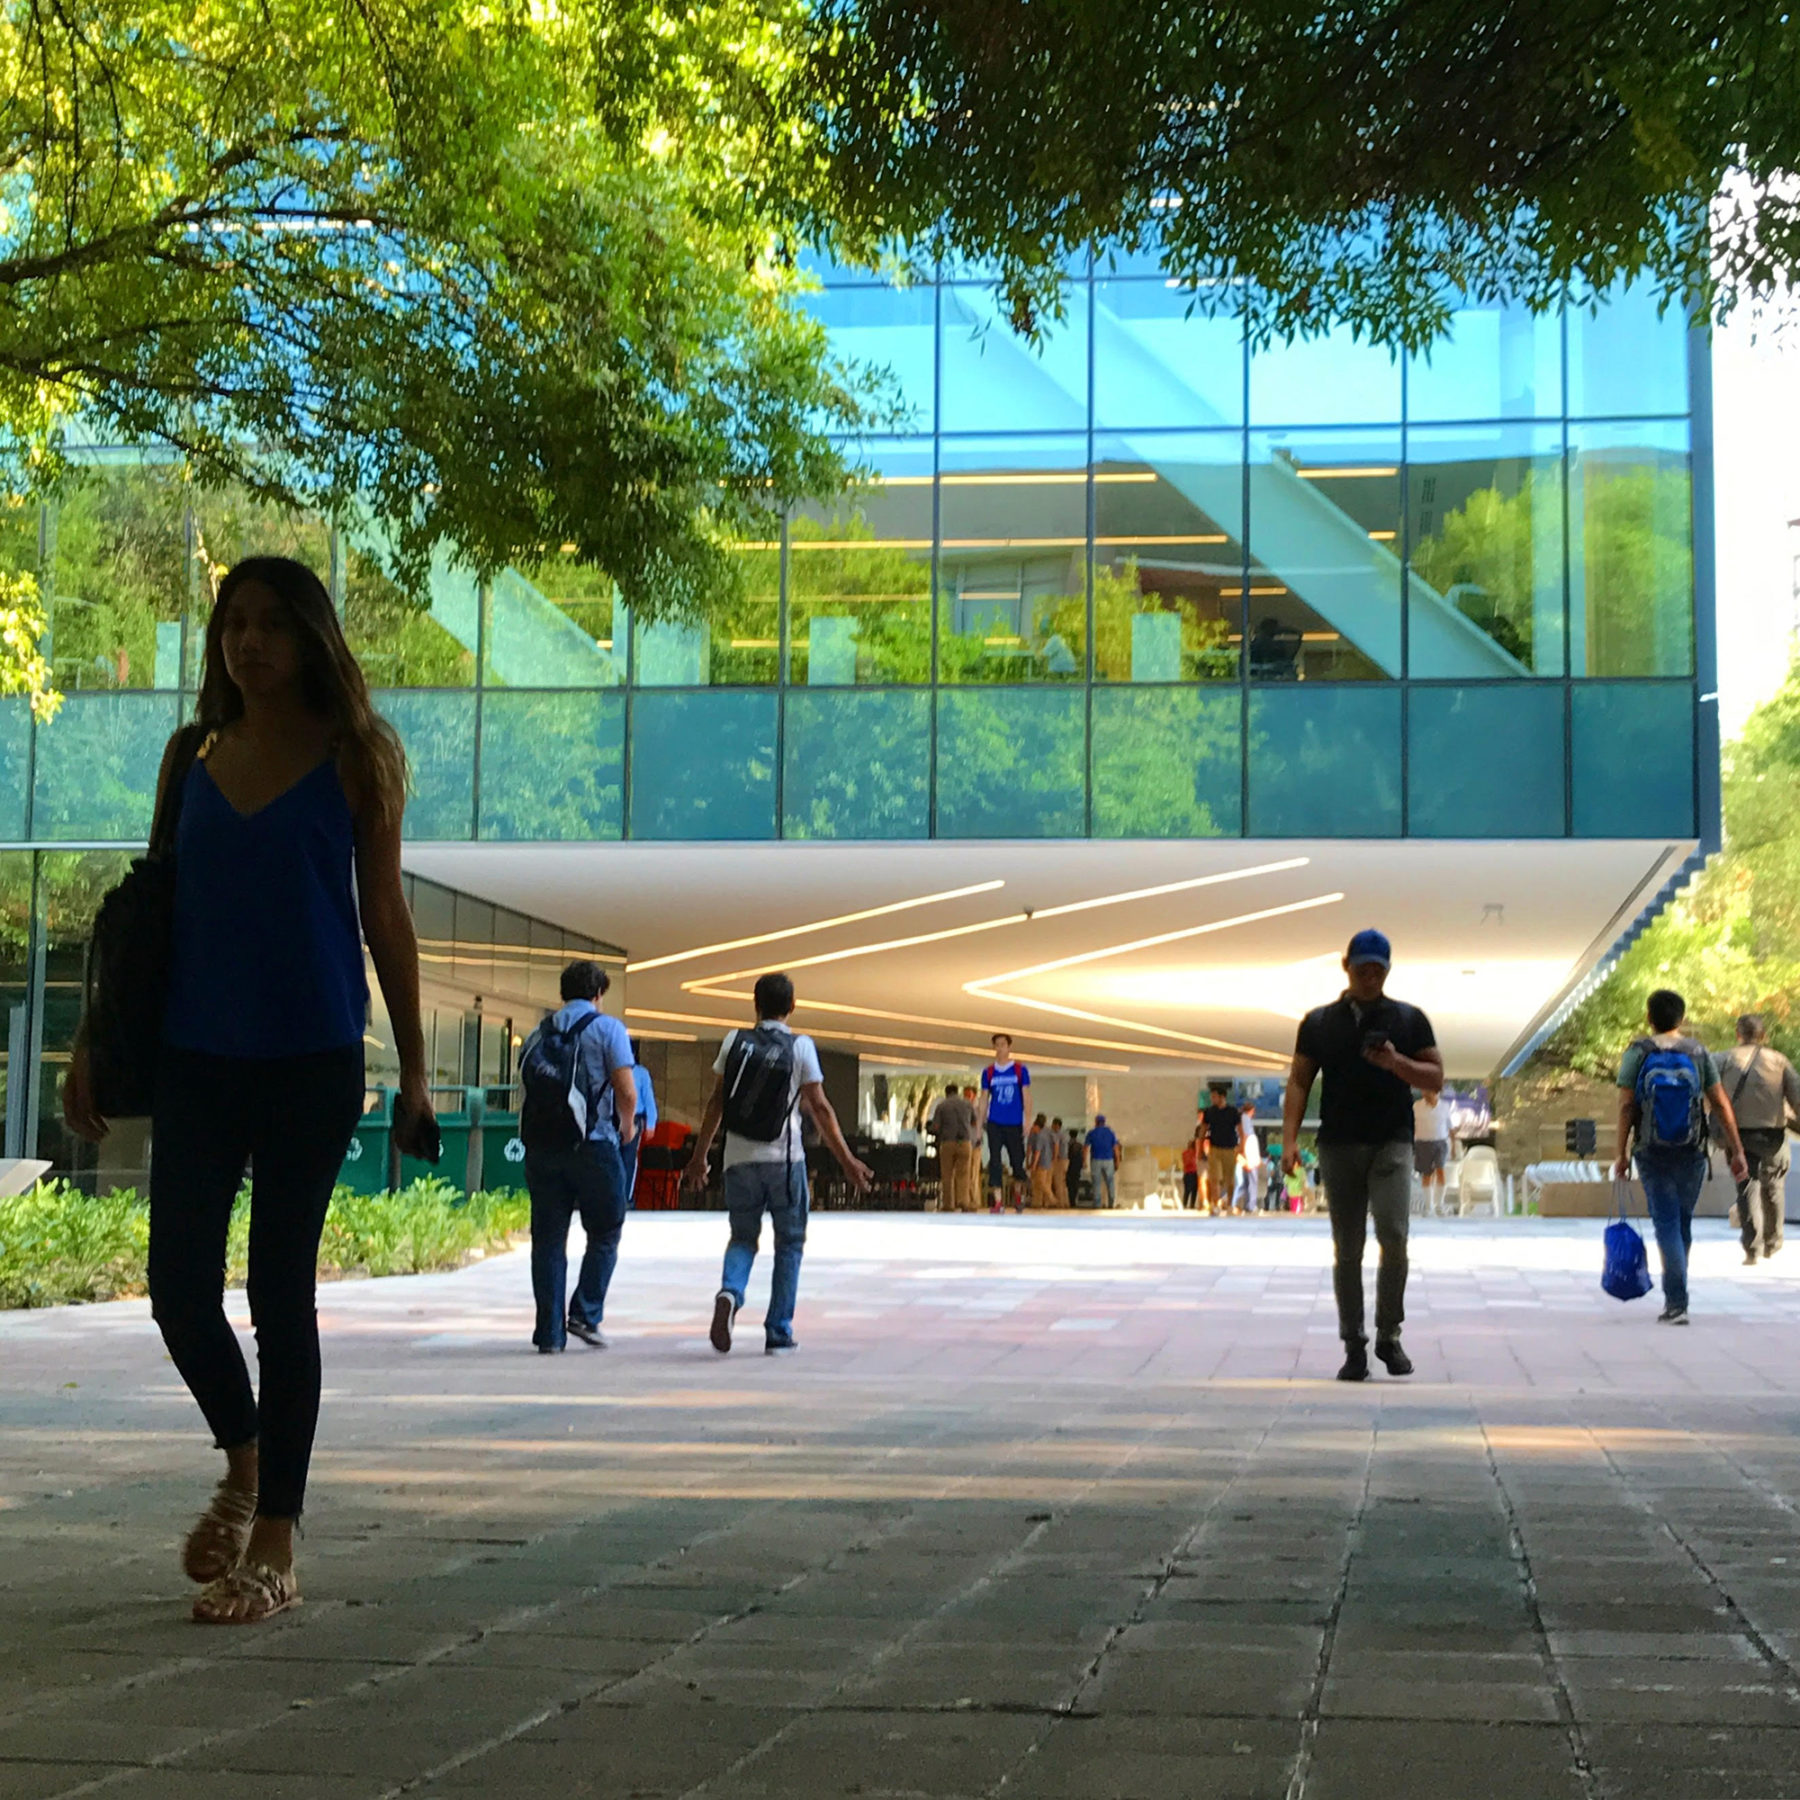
{"points": [[501, 1155], [365, 1167], [452, 1107]]}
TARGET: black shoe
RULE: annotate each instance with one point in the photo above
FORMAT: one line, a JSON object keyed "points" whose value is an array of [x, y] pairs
{"points": [[1672, 1315], [1356, 1362], [724, 1312], [589, 1334], [780, 1347], [1398, 1362], [551, 1349]]}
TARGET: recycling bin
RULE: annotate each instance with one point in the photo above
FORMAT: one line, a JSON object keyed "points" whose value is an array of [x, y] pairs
{"points": [[365, 1167], [496, 1155]]}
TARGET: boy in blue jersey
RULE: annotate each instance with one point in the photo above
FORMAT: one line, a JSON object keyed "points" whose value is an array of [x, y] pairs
{"points": [[1005, 1090]]}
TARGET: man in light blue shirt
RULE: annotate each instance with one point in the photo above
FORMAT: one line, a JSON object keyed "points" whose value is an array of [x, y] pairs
{"points": [[646, 1117], [588, 1179], [1103, 1154]]}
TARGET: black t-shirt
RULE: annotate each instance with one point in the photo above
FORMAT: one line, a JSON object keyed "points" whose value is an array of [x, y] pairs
{"points": [[1222, 1126], [1362, 1104]]}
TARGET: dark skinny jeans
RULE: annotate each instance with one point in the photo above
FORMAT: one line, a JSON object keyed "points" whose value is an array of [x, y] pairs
{"points": [[291, 1118]]}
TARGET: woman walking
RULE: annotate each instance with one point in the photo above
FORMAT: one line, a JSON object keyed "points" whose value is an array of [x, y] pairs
{"points": [[290, 791]]}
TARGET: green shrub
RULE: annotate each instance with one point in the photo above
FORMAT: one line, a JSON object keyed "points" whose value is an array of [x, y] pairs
{"points": [[59, 1245]]}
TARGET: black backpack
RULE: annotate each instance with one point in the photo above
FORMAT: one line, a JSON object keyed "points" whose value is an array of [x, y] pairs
{"points": [[126, 987], [759, 1084], [557, 1109]]}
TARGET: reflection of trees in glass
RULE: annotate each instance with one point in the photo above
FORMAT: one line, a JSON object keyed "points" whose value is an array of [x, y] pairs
{"points": [[1166, 763], [1121, 594], [438, 731], [97, 764], [1484, 559], [857, 765], [1010, 764], [884, 591], [120, 571], [552, 765], [746, 629]]}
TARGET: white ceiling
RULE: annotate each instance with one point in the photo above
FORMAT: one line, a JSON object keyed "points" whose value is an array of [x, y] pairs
{"points": [[1073, 948]]}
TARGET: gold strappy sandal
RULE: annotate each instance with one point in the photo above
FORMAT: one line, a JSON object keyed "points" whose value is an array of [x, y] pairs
{"points": [[251, 1593], [216, 1544]]}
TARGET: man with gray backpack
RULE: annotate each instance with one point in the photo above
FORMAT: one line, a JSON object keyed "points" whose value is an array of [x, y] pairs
{"points": [[579, 1111], [1765, 1094], [767, 1076], [1667, 1080]]}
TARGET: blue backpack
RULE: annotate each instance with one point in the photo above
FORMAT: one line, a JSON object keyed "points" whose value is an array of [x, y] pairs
{"points": [[1671, 1101]]}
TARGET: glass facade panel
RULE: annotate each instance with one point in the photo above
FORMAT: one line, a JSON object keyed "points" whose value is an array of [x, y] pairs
{"points": [[703, 765], [118, 589], [1324, 581], [1325, 762], [1012, 568], [1633, 753], [1168, 762], [1168, 556], [1498, 362], [1333, 379], [993, 380], [1010, 764], [1626, 360], [558, 625], [859, 576], [404, 640], [857, 765], [892, 331], [15, 765], [1485, 762], [97, 763], [15, 992], [740, 646], [438, 731], [1161, 360], [1485, 529], [1631, 599], [552, 766]]}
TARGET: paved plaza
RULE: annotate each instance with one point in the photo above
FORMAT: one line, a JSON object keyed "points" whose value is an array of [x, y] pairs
{"points": [[1061, 1509]]}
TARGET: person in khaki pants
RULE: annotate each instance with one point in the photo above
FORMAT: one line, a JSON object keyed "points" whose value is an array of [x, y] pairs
{"points": [[1039, 1154], [951, 1123], [1059, 1163], [1765, 1094]]}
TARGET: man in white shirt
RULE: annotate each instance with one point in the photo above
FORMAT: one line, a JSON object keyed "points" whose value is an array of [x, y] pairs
{"points": [[1431, 1146], [766, 1078]]}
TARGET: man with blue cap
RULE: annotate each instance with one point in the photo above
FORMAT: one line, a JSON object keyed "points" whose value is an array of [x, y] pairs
{"points": [[1373, 1052]]}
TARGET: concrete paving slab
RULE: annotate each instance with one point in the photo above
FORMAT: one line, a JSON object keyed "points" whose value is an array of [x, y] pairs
{"points": [[949, 1549]]}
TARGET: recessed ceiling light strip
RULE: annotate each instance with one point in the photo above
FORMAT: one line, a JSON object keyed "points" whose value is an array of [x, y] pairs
{"points": [[706, 983], [851, 918]]}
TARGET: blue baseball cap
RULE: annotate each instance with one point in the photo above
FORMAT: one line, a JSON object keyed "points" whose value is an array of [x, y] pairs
{"points": [[1370, 947]]}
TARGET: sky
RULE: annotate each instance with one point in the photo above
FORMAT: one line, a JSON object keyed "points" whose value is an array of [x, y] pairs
{"points": [[1756, 438]]}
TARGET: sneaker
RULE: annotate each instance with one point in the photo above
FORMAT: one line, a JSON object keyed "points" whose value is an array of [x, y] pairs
{"points": [[1356, 1363], [551, 1349], [724, 1312], [780, 1347], [1749, 1259], [1672, 1315], [1398, 1362], [589, 1334]]}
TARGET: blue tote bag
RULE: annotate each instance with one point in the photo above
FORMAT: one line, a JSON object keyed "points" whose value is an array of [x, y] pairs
{"points": [[1625, 1273]]}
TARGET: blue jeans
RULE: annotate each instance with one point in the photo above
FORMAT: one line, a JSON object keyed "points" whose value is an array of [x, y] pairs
{"points": [[779, 1189], [1672, 1183], [589, 1181], [1106, 1181]]}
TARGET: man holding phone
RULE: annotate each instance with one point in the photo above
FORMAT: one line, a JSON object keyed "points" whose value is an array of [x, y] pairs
{"points": [[1373, 1051]]}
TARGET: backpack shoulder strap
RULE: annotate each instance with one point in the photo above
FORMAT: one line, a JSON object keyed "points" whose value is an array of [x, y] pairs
{"points": [[1743, 1076], [188, 742]]}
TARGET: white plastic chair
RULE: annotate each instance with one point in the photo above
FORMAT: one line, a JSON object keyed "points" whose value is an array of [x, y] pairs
{"points": [[1478, 1179]]}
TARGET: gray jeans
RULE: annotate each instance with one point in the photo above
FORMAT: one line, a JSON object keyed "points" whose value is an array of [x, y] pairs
{"points": [[1364, 1181], [1762, 1200]]}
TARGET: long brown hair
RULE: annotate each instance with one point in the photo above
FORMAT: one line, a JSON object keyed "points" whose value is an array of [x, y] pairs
{"points": [[331, 679]]}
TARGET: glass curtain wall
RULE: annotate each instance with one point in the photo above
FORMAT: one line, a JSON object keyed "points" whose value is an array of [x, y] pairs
{"points": [[1108, 584]]}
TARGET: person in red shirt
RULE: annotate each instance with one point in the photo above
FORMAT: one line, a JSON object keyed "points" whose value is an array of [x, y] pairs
{"points": [[1190, 1172]]}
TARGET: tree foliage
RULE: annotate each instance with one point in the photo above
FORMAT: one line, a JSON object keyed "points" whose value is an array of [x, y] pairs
{"points": [[1364, 161], [1731, 943], [494, 276]]}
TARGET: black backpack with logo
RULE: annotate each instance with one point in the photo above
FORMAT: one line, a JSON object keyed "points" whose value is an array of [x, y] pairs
{"points": [[759, 1084], [557, 1107]]}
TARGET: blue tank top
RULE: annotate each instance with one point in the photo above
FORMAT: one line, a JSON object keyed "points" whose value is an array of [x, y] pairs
{"points": [[268, 954]]}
